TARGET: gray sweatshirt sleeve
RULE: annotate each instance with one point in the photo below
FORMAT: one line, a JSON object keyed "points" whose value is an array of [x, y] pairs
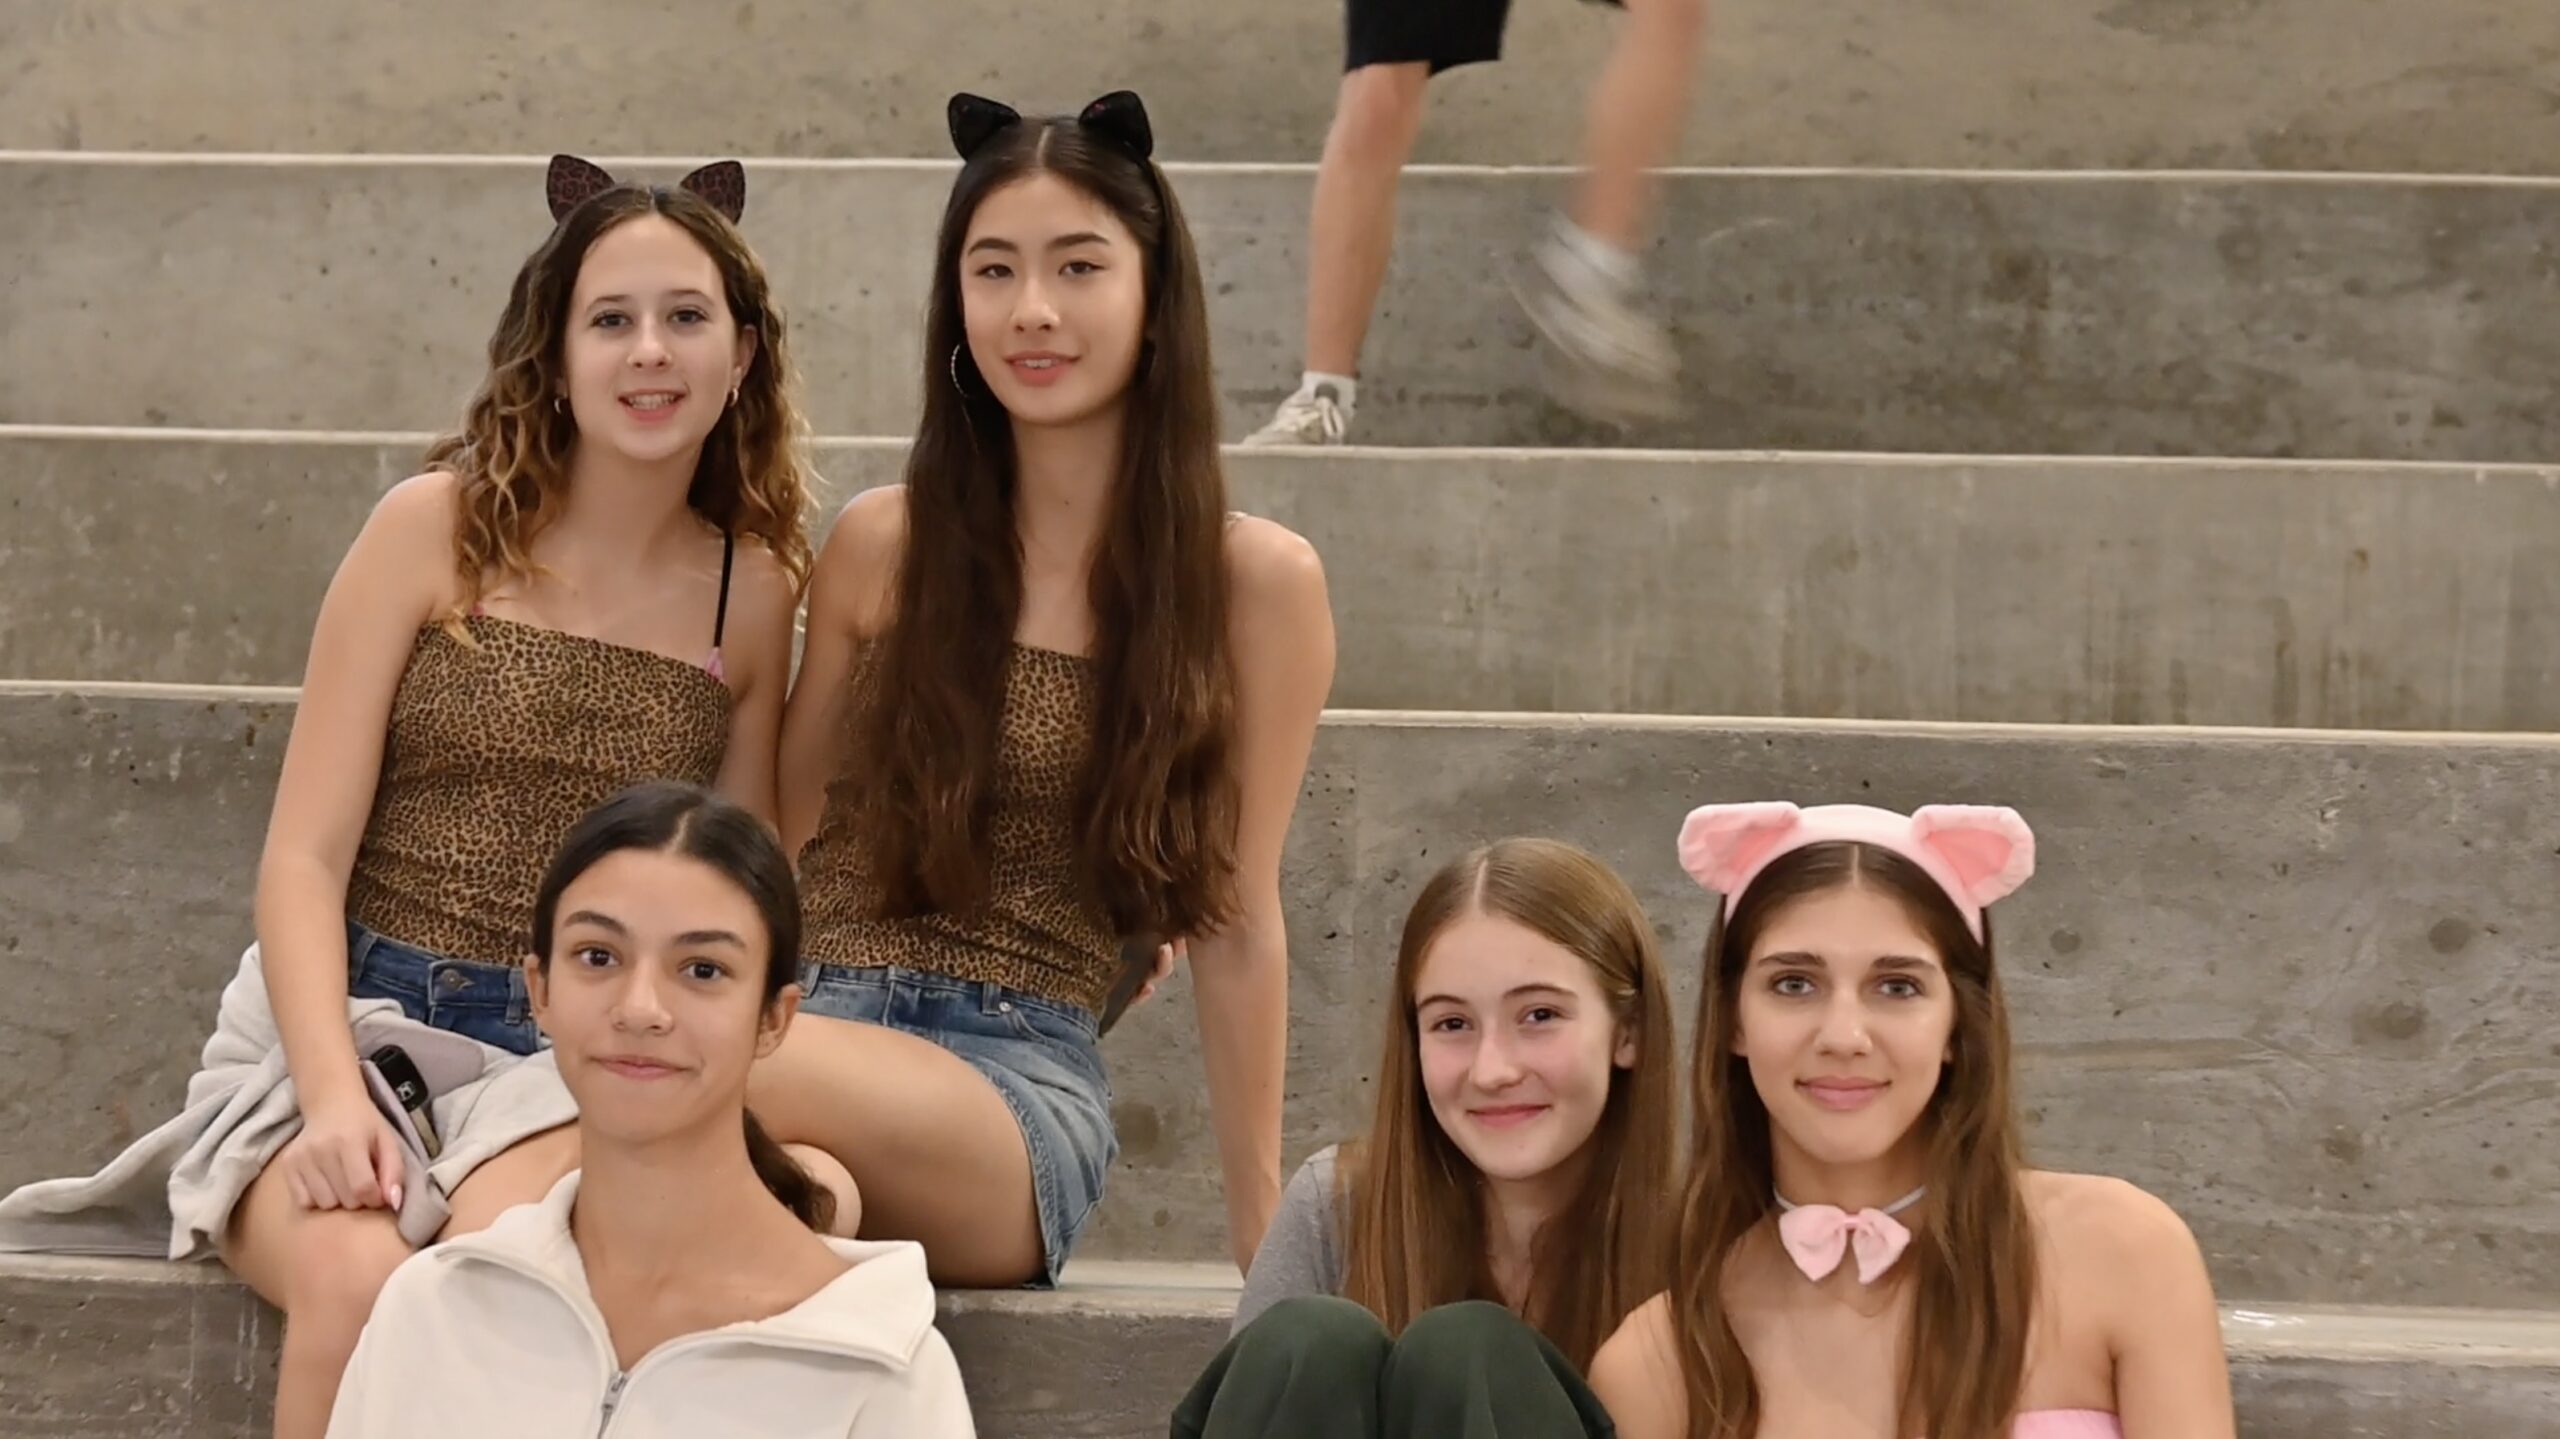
{"points": [[1301, 1253]]}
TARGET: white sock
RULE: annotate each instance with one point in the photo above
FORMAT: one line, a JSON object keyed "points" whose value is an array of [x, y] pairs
{"points": [[1618, 266], [1346, 388]]}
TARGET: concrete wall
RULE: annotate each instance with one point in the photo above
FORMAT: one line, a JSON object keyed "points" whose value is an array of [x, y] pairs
{"points": [[2348, 596], [2368, 319], [2453, 85], [2295, 984]]}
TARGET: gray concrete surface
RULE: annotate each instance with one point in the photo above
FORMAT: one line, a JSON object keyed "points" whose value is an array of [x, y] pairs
{"points": [[2232, 315], [2295, 983], [118, 1349], [2457, 85], [2328, 594]]}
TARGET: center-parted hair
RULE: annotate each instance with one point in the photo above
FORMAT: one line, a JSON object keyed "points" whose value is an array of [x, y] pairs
{"points": [[1972, 1260], [1415, 1237], [670, 817], [511, 451], [1158, 800]]}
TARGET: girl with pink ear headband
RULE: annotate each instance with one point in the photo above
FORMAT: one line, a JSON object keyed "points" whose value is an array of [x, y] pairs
{"points": [[1862, 1253]]}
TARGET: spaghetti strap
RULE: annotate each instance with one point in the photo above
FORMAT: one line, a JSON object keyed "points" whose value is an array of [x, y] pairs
{"points": [[720, 620]]}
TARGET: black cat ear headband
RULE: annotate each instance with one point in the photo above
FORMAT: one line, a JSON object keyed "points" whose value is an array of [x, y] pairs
{"points": [[722, 184], [1119, 118]]}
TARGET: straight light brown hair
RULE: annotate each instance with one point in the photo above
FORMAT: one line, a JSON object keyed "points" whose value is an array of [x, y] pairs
{"points": [[1972, 1257], [1416, 1235]]}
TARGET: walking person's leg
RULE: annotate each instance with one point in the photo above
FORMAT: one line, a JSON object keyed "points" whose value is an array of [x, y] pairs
{"points": [[1582, 288], [1351, 233], [1393, 49]]}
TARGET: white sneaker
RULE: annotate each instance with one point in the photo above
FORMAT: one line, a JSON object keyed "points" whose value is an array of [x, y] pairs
{"points": [[1315, 415], [1618, 362]]}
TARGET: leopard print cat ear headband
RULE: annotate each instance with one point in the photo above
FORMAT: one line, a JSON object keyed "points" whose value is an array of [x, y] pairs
{"points": [[573, 182]]}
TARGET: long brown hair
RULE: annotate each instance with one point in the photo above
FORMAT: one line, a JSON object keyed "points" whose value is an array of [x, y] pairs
{"points": [[1158, 798], [511, 451], [1415, 1236], [1972, 1258]]}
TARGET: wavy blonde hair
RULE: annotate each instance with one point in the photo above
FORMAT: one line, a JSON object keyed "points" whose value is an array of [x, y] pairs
{"points": [[511, 452]]}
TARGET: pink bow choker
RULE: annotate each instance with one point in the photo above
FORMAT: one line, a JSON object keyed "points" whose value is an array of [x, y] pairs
{"points": [[1819, 1236]]}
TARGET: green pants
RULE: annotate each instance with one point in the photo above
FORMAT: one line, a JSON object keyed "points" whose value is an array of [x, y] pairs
{"points": [[1324, 1368]]}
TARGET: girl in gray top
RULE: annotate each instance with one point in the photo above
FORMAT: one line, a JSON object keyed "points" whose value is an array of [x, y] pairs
{"points": [[1505, 1211]]}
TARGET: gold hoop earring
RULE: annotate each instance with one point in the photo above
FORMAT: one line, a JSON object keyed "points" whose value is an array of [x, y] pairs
{"points": [[558, 404], [733, 397]]}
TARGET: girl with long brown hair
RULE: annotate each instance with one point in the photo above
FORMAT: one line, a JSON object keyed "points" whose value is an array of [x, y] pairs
{"points": [[591, 585], [1862, 1254], [1506, 1210], [1054, 696]]}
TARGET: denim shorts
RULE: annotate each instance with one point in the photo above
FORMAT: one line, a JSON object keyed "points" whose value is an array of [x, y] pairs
{"points": [[477, 1000], [1040, 1055]]}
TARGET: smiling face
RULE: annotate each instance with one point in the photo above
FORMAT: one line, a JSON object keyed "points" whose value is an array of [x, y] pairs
{"points": [[1053, 298], [1846, 1020], [651, 351], [654, 996], [1518, 1046]]}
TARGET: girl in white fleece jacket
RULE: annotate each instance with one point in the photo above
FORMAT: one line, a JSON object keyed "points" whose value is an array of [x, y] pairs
{"points": [[676, 1284]]}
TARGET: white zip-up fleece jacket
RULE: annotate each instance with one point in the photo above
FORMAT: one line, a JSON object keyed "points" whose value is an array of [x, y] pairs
{"points": [[496, 1336]]}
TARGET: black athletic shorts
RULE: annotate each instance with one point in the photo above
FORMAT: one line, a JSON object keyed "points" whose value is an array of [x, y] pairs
{"points": [[1442, 33]]}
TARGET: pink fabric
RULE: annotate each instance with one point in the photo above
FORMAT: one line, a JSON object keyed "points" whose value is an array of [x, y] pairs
{"points": [[1977, 853], [2067, 1424], [1817, 1236]]}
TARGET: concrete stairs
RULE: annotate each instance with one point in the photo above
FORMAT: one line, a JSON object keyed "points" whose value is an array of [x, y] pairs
{"points": [[2135, 411], [1104, 1357], [2329, 594]]}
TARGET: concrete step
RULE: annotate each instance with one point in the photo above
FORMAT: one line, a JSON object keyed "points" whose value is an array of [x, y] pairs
{"points": [[2360, 317], [2459, 85], [2281, 593], [2292, 981], [122, 1349]]}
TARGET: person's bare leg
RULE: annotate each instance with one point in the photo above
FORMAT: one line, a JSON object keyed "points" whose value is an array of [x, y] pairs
{"points": [[1634, 117], [933, 1148], [1582, 288], [1351, 233], [323, 1268], [1352, 230]]}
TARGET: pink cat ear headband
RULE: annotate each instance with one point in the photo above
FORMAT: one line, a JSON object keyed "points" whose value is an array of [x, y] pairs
{"points": [[573, 182], [1977, 853]]}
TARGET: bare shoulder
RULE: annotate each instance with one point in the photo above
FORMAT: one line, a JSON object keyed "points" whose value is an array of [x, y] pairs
{"points": [[758, 584], [422, 509], [877, 516], [1271, 569], [851, 585], [410, 535], [1637, 1377], [2106, 1217]]}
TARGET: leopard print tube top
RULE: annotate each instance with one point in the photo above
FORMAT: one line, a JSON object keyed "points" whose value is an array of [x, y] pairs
{"points": [[1042, 933], [495, 748]]}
